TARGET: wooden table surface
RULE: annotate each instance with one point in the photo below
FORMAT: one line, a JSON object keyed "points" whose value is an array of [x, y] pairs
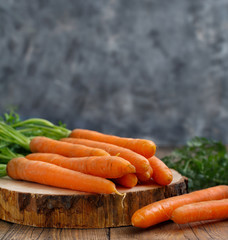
{"points": [[213, 230]]}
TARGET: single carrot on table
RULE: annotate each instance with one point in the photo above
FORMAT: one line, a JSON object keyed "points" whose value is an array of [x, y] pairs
{"points": [[147, 148], [48, 145], [102, 166], [162, 210], [200, 211], [161, 173], [141, 163], [50, 174], [129, 180]]}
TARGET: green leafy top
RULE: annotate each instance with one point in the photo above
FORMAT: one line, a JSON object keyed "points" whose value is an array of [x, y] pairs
{"points": [[203, 161], [15, 135], [10, 118], [35, 126]]}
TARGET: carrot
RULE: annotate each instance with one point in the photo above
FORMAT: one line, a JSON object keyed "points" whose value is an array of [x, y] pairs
{"points": [[102, 166], [47, 145], [161, 174], [144, 177], [162, 210], [144, 147], [128, 180], [141, 163], [50, 174], [209, 210]]}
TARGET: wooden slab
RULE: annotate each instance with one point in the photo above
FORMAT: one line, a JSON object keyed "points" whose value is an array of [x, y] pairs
{"points": [[43, 206]]}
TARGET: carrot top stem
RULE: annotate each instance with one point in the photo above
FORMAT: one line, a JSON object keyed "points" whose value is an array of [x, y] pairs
{"points": [[36, 126], [33, 131], [10, 135], [37, 121], [6, 154], [3, 170]]}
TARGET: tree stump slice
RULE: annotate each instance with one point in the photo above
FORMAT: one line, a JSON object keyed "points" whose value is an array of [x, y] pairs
{"points": [[43, 206]]}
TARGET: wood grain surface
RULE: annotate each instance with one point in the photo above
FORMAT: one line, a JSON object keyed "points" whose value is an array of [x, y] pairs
{"points": [[207, 230]]}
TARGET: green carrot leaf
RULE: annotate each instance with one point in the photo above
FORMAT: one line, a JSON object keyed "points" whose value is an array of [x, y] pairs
{"points": [[203, 161]]}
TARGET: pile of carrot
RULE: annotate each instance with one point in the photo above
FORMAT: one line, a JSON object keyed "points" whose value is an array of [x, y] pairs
{"points": [[94, 162], [90, 156]]}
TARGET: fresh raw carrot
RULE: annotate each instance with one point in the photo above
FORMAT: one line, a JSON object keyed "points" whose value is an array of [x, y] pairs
{"points": [[102, 166], [47, 145], [162, 210], [50, 174], [128, 180], [144, 177], [144, 147], [161, 174], [141, 163], [207, 210]]}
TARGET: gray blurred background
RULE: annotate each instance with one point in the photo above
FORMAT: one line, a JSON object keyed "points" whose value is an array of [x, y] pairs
{"points": [[137, 68]]}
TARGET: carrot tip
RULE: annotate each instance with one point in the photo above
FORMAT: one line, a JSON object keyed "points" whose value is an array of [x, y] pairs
{"points": [[120, 194], [136, 220], [123, 195]]}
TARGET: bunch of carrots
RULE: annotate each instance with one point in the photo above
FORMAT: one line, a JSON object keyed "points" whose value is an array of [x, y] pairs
{"points": [[84, 160], [90, 161]]}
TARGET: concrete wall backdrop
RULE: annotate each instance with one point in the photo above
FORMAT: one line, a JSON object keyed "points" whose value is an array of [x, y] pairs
{"points": [[148, 68]]}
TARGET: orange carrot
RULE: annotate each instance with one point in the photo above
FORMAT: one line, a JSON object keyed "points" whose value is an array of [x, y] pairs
{"points": [[161, 174], [47, 145], [144, 177], [144, 147], [50, 174], [102, 166], [162, 210], [141, 163], [128, 180], [209, 210]]}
